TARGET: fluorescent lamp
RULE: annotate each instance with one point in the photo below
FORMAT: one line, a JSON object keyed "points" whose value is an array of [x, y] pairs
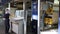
{"points": [[56, 2]]}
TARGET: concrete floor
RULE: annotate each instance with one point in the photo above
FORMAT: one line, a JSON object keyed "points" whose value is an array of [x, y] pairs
{"points": [[53, 31], [2, 27]]}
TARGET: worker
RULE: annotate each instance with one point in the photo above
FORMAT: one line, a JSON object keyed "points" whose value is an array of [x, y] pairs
{"points": [[7, 25]]}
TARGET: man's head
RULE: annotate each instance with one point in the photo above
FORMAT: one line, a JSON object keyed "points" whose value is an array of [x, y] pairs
{"points": [[7, 11]]}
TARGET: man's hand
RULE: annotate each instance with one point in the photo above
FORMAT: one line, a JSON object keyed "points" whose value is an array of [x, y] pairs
{"points": [[3, 18]]}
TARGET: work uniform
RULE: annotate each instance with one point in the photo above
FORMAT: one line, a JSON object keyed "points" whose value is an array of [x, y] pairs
{"points": [[7, 26]]}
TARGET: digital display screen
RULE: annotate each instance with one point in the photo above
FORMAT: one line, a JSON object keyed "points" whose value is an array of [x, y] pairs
{"points": [[17, 13]]}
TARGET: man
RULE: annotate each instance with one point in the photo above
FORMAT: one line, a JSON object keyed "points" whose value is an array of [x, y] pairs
{"points": [[6, 17]]}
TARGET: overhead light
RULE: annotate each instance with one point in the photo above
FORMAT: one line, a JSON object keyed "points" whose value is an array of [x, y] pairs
{"points": [[56, 2]]}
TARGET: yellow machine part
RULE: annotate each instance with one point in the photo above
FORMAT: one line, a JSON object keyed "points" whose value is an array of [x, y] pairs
{"points": [[49, 11], [48, 21]]}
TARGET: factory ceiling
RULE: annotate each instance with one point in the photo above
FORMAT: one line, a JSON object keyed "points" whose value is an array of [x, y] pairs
{"points": [[20, 0], [19, 3], [48, 0]]}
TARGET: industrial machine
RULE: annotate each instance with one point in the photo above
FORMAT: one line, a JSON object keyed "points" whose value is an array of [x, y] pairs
{"points": [[49, 11], [48, 19], [34, 17]]}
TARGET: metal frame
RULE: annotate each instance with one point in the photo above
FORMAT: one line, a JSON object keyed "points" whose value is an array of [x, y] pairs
{"points": [[25, 16], [38, 17], [25, 19]]}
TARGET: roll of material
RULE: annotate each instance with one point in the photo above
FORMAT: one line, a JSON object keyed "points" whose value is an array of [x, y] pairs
{"points": [[48, 21]]}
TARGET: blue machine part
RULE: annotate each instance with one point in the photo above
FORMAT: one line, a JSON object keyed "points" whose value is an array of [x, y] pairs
{"points": [[34, 10]]}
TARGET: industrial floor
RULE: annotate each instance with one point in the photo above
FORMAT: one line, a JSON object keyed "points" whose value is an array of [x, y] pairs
{"points": [[52, 31], [2, 28]]}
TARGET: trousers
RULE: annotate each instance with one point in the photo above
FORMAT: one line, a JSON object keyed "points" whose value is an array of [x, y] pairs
{"points": [[7, 26]]}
